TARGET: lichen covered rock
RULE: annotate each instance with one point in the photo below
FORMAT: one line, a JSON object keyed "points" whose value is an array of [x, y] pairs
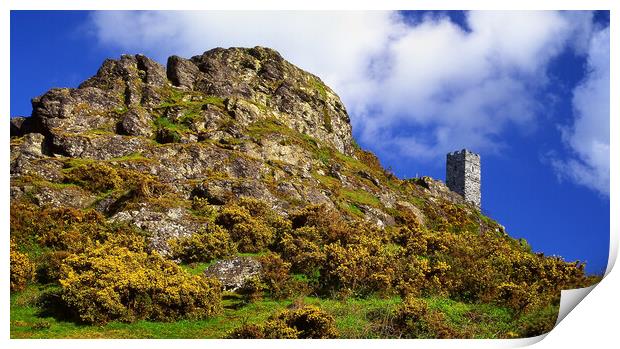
{"points": [[234, 273]]}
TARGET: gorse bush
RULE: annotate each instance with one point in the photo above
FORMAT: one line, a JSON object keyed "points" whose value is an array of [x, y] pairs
{"points": [[414, 319], [419, 276], [248, 331], [275, 275], [49, 266], [57, 228], [213, 242], [302, 248], [352, 258], [22, 269], [305, 322], [506, 275], [99, 178], [106, 272], [453, 218], [251, 234], [202, 207], [310, 322], [95, 177], [253, 289], [108, 282], [260, 210], [358, 269], [68, 229], [329, 224], [271, 329]]}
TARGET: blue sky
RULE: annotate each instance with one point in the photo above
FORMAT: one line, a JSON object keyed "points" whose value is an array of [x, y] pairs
{"points": [[528, 91]]}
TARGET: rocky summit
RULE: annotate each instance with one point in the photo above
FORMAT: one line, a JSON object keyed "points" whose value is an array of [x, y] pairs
{"points": [[228, 123]]}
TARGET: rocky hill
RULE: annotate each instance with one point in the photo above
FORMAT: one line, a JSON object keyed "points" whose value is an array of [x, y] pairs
{"points": [[170, 151], [228, 123]]}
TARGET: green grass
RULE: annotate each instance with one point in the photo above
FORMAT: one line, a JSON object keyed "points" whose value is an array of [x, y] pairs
{"points": [[317, 85], [476, 320], [99, 132], [263, 127], [354, 317], [327, 181], [163, 122], [191, 103], [360, 197], [196, 268], [190, 100], [121, 110], [130, 157], [351, 208], [324, 155], [53, 185]]}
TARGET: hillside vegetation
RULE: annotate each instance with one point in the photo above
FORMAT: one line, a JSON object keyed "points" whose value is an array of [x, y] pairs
{"points": [[127, 192]]}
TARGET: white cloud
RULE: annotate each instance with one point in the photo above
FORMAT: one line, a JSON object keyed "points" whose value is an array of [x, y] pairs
{"points": [[588, 136], [419, 89], [467, 86]]}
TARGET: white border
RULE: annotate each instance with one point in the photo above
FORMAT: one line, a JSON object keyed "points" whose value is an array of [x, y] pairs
{"points": [[594, 320]]}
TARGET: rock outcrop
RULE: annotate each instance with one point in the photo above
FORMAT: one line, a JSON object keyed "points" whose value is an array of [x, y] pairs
{"points": [[234, 273], [225, 124]]}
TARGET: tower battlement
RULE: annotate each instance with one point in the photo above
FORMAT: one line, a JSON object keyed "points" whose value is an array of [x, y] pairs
{"points": [[463, 175]]}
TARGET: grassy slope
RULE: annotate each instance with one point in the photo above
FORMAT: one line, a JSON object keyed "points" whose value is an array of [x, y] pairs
{"points": [[355, 318]]}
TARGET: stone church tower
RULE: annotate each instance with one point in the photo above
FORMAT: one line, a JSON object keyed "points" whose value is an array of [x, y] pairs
{"points": [[463, 175]]}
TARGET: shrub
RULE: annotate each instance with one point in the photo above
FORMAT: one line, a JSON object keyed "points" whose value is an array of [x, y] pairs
{"points": [[447, 216], [99, 177], [414, 240], [361, 268], [301, 247], [520, 297], [305, 322], [22, 269], [272, 329], [275, 275], [255, 207], [204, 246], [143, 186], [310, 322], [276, 329], [411, 280], [202, 207], [251, 234], [51, 304], [108, 282], [414, 319], [252, 289], [69, 229], [58, 228], [328, 223], [95, 177], [247, 331], [48, 269], [23, 218]]}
